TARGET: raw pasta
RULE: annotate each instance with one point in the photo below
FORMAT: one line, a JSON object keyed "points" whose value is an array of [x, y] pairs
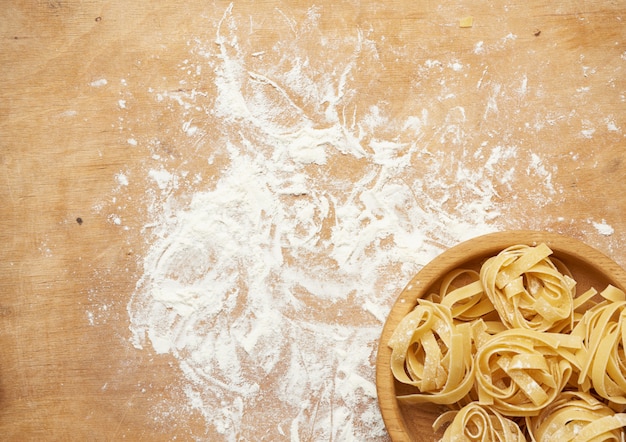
{"points": [[509, 347], [577, 417], [528, 290], [519, 371], [602, 359], [432, 354], [476, 422], [468, 302]]}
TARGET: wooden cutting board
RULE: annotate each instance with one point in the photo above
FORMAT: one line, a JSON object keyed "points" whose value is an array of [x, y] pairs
{"points": [[77, 82]]}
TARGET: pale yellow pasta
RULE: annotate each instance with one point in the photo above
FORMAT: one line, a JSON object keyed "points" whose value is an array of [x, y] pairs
{"points": [[576, 417], [478, 423], [519, 371], [512, 344], [583, 302], [467, 302], [433, 354], [602, 358], [528, 290]]}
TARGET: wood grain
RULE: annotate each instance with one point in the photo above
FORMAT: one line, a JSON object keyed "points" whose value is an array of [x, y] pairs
{"points": [[67, 369]]}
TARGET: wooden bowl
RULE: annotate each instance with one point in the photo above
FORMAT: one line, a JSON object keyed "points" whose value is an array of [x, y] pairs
{"points": [[589, 267]]}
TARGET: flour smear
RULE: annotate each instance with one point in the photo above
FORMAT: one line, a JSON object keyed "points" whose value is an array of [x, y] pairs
{"points": [[270, 280]]}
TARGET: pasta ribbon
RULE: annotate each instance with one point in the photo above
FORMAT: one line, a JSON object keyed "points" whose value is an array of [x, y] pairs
{"points": [[518, 371], [576, 416], [515, 354], [478, 423], [527, 289], [467, 302], [433, 354], [602, 358]]}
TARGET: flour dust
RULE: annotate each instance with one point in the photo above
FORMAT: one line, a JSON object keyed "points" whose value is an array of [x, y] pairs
{"points": [[270, 273]]}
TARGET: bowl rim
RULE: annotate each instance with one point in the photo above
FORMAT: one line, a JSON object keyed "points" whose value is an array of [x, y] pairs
{"points": [[454, 257]]}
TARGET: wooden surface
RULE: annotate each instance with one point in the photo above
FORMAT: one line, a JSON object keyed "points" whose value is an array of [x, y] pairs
{"points": [[589, 267], [545, 78]]}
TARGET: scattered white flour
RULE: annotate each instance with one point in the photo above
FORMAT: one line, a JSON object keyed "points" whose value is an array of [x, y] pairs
{"points": [[121, 179], [270, 284], [588, 132], [115, 219], [99, 83], [610, 125], [163, 178], [603, 228], [456, 66]]}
